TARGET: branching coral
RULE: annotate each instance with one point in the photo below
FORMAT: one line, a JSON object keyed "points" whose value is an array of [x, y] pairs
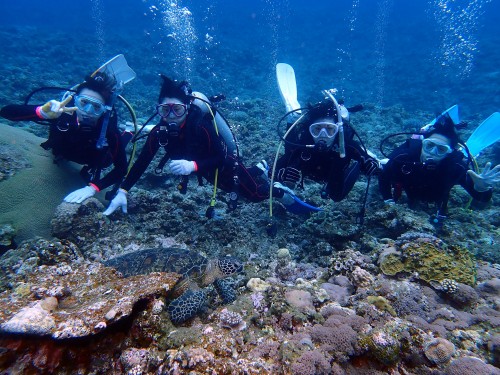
{"points": [[311, 363]]}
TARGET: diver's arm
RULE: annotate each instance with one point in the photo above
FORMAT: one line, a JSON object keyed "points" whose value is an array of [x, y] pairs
{"points": [[391, 170], [147, 154], [384, 182], [20, 112], [215, 146], [369, 165], [117, 150]]}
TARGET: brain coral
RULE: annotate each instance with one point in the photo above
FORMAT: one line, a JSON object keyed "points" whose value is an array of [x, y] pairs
{"points": [[439, 350], [29, 197]]}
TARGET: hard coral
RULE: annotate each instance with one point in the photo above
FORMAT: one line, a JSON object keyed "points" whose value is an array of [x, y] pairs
{"points": [[382, 304], [344, 262], [439, 350], [361, 278], [470, 366], [383, 347], [301, 300], [336, 338], [232, 320], [431, 260], [311, 363]]}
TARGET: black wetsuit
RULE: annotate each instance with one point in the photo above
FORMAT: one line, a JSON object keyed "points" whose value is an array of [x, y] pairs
{"points": [[69, 141], [197, 141], [426, 182], [326, 166]]}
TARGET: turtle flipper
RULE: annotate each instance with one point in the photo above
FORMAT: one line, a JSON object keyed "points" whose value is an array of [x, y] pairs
{"points": [[187, 306], [226, 290]]}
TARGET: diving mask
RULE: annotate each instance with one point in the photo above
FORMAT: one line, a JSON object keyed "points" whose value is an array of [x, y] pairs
{"points": [[432, 147], [90, 105], [165, 109], [323, 129]]}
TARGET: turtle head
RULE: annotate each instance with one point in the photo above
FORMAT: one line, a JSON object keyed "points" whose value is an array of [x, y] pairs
{"points": [[229, 266]]}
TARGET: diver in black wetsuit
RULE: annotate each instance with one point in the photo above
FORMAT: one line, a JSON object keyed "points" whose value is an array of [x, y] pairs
{"points": [[427, 169], [74, 131], [313, 151], [196, 139]]}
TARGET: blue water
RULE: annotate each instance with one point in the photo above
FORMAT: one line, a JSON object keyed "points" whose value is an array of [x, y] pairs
{"points": [[422, 55]]}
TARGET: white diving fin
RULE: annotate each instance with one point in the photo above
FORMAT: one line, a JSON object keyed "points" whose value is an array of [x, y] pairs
{"points": [[452, 112], [487, 133], [288, 86], [118, 68]]}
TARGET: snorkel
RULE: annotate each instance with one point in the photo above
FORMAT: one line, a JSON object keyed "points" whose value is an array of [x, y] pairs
{"points": [[329, 93]]}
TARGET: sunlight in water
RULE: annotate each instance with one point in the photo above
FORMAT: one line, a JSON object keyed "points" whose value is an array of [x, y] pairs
{"points": [[382, 21], [176, 36], [99, 26], [344, 54], [458, 23]]}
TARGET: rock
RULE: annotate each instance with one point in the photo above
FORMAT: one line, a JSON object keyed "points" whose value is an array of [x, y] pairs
{"points": [[95, 292]]}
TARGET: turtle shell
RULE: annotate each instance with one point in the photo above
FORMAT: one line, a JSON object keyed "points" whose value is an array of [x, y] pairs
{"points": [[185, 262]]}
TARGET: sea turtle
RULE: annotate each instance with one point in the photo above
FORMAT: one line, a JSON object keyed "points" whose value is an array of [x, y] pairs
{"points": [[197, 272]]}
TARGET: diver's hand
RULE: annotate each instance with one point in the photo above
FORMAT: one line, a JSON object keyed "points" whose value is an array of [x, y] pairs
{"points": [[183, 167], [437, 220], [78, 196], [288, 194], [371, 167], [120, 200], [54, 109], [486, 179], [289, 175]]}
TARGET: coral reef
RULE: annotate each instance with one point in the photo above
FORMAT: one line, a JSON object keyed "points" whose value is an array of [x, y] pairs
{"points": [[430, 259], [439, 351], [312, 299], [470, 366], [78, 302], [29, 196]]}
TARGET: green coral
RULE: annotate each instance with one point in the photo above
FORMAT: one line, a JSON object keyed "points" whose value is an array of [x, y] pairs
{"points": [[381, 303], [382, 345], [432, 263], [392, 264]]}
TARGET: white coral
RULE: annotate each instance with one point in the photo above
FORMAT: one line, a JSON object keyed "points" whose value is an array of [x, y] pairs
{"points": [[361, 278]]}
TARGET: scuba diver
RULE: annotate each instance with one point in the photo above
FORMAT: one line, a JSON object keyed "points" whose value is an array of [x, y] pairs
{"points": [[74, 132], [320, 145], [197, 140], [428, 165]]}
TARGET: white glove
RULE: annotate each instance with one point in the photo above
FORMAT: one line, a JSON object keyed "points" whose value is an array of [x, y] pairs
{"points": [[486, 179], [120, 200], [288, 194], [182, 167], [54, 109], [78, 196]]}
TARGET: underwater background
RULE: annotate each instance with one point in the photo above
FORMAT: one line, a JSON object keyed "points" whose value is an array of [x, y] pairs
{"points": [[325, 296], [425, 55]]}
